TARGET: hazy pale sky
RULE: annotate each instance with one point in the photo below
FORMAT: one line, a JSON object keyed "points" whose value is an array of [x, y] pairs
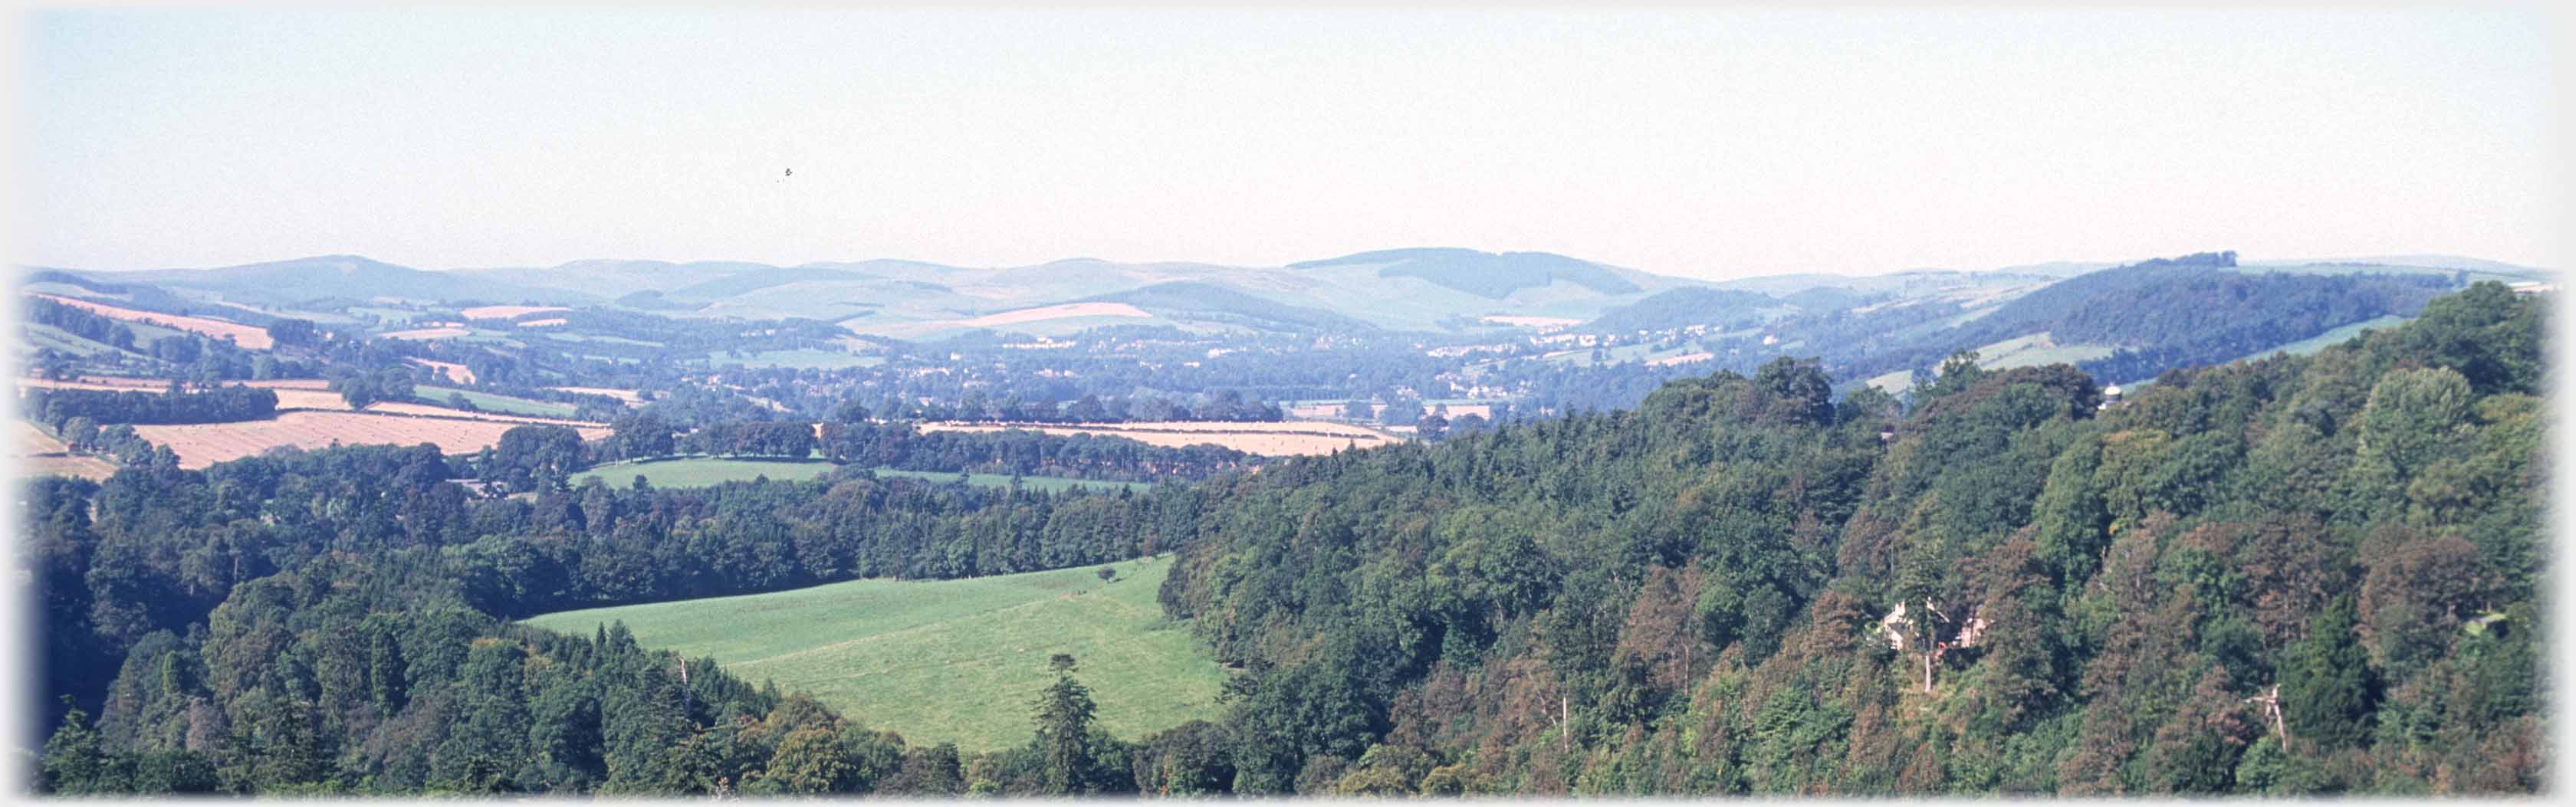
{"points": [[1701, 144]]}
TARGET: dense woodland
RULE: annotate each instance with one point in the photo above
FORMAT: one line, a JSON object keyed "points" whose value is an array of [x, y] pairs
{"points": [[57, 407], [1697, 596], [1700, 595]]}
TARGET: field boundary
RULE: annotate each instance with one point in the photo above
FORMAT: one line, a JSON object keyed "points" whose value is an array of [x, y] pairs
{"points": [[530, 420]]}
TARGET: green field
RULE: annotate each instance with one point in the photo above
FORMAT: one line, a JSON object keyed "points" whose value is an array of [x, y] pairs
{"points": [[2035, 350], [2334, 337], [41, 335], [947, 660], [696, 472], [1892, 383], [387, 316], [489, 402]]}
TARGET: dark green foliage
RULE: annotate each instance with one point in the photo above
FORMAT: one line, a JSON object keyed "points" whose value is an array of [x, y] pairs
{"points": [[57, 407], [2136, 575], [2328, 687], [1691, 597]]}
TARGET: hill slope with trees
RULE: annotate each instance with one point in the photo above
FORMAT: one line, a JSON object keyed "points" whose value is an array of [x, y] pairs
{"points": [[1741, 587], [2299, 575]]}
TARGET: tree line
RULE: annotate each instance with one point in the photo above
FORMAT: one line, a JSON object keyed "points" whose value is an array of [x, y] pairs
{"points": [[223, 404]]}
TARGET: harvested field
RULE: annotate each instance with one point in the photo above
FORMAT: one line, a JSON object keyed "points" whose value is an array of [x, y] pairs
{"points": [[203, 444], [65, 465], [508, 311], [243, 335], [292, 383], [309, 399], [454, 372], [1281, 439], [26, 440], [86, 383], [426, 333], [542, 323], [1047, 312], [1685, 358], [39, 454]]}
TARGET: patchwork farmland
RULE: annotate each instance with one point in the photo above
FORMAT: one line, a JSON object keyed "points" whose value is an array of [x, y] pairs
{"points": [[243, 335], [203, 444], [305, 393]]}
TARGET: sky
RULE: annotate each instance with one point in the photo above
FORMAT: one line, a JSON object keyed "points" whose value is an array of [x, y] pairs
{"points": [[1710, 145]]}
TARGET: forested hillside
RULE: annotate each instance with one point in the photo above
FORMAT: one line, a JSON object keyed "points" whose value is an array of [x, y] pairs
{"points": [[1700, 595], [1731, 589]]}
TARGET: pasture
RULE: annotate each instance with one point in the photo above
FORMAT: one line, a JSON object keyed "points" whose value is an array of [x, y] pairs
{"points": [[948, 660], [698, 472], [2036, 350], [488, 402], [2333, 337]]}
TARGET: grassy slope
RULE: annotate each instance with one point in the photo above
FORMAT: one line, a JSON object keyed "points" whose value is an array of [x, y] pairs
{"points": [[948, 660], [2333, 337], [437, 396], [2029, 351], [692, 472], [38, 336]]}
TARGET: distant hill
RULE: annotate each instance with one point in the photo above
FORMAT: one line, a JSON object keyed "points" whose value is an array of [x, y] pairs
{"points": [[349, 276], [1683, 307], [2165, 313], [1484, 273], [604, 279], [1189, 300], [750, 280], [2413, 262]]}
